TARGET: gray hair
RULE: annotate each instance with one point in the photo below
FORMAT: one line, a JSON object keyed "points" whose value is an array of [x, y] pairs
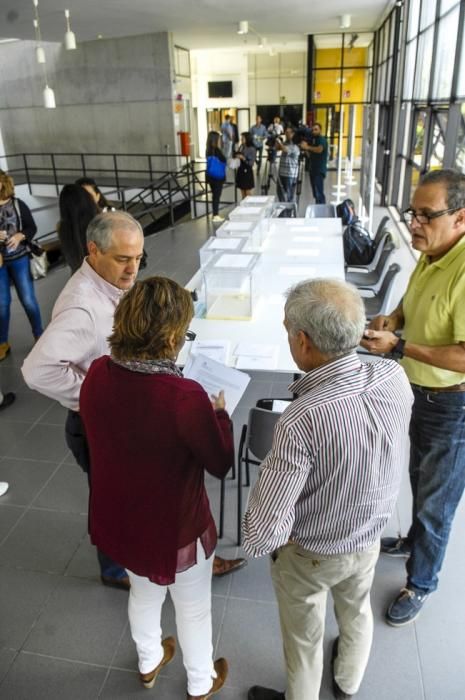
{"points": [[454, 184], [329, 311], [100, 229]]}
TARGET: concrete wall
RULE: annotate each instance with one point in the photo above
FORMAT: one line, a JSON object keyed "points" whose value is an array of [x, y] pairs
{"points": [[112, 95]]}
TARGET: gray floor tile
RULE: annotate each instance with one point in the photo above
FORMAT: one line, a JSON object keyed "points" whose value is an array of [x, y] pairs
{"points": [[29, 406], [22, 596], [44, 541], [11, 432], [41, 442], [25, 477], [82, 621], [9, 516], [67, 490], [43, 678], [254, 582], [7, 657], [251, 642], [84, 562], [56, 415]]}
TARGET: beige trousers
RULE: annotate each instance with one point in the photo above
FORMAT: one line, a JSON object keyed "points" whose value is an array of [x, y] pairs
{"points": [[301, 581]]}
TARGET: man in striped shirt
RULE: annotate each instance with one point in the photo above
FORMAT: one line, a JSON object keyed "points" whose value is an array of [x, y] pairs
{"points": [[328, 487]]}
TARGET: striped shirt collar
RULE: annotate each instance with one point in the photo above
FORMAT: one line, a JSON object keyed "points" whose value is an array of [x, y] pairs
{"points": [[325, 373]]}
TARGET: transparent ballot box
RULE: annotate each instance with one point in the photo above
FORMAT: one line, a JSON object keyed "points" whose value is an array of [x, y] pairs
{"points": [[255, 231], [266, 201], [230, 286], [248, 213], [215, 245]]}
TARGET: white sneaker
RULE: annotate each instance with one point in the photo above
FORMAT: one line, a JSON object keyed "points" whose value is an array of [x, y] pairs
{"points": [[3, 487], [217, 218]]}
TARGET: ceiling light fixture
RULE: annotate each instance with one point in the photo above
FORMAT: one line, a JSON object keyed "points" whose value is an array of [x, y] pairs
{"points": [[345, 22], [243, 27], [48, 94], [70, 38]]}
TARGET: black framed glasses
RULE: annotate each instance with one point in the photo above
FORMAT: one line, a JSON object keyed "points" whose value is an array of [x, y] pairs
{"points": [[410, 214], [190, 335]]}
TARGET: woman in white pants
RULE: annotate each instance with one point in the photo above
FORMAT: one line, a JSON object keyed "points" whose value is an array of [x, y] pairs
{"points": [[151, 435]]}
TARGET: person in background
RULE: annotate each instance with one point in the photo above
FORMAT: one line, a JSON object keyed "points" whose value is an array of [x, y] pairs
{"points": [[142, 418], [216, 184], [316, 146], [288, 170], [259, 134], [227, 136], [77, 209], [431, 348], [245, 180], [276, 128], [235, 133], [17, 229], [326, 490]]}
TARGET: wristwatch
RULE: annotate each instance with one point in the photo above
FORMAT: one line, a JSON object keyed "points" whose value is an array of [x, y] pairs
{"points": [[397, 352]]}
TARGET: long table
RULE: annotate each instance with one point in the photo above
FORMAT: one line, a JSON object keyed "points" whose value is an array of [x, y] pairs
{"points": [[294, 250]]}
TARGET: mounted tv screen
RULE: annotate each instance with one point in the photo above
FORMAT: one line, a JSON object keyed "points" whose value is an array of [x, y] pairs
{"points": [[220, 88]]}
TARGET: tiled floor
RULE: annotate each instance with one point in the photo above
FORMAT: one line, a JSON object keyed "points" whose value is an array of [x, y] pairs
{"points": [[64, 636]]}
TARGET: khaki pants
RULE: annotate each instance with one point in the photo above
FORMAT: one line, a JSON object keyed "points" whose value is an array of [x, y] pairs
{"points": [[302, 580]]}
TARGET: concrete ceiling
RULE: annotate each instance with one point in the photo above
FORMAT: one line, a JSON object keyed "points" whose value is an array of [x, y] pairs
{"points": [[195, 23]]}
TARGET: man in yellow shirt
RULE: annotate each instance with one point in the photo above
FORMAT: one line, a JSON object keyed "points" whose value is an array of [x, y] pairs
{"points": [[431, 348]]}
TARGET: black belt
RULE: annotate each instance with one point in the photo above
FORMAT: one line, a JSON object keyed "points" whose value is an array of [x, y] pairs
{"points": [[454, 387]]}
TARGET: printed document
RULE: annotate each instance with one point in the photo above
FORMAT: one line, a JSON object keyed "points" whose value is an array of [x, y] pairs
{"points": [[214, 376]]}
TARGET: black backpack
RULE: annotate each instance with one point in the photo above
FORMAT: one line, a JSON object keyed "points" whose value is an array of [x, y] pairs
{"points": [[359, 248], [346, 211]]}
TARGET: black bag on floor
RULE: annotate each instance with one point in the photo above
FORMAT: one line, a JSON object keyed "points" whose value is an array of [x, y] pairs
{"points": [[359, 248]]}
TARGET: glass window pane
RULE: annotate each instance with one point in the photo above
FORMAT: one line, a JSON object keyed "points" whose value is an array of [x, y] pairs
{"points": [[460, 148], [447, 4], [439, 131], [461, 81], [392, 33], [425, 52], [419, 138], [355, 53], [445, 55], [409, 69], [414, 15], [428, 13], [328, 50], [353, 84], [326, 86]]}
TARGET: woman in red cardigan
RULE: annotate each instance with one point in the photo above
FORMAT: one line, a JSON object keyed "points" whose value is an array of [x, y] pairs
{"points": [[151, 435]]}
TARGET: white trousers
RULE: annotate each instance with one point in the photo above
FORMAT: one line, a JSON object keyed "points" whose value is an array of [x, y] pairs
{"points": [[191, 596]]}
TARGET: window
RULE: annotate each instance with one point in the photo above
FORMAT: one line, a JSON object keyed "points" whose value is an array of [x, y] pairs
{"points": [[425, 53], [409, 72], [445, 55], [428, 13], [414, 15]]}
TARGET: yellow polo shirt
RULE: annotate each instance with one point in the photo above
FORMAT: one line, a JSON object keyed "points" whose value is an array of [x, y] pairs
{"points": [[434, 312]]}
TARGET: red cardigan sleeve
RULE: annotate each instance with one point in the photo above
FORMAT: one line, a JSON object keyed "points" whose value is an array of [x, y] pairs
{"points": [[207, 433]]}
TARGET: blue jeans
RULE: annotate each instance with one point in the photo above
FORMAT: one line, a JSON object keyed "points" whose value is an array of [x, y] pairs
{"points": [[19, 272], [286, 191], [317, 181], [437, 477]]}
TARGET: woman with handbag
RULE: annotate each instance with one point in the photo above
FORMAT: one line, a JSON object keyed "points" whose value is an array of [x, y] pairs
{"points": [[216, 171], [246, 154], [17, 229]]}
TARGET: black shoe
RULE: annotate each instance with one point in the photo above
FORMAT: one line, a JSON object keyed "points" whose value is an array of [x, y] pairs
{"points": [[123, 583], [395, 547], [258, 692], [337, 691], [406, 607], [8, 399]]}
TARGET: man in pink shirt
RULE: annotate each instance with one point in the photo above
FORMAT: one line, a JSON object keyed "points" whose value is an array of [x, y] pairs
{"points": [[82, 320]]}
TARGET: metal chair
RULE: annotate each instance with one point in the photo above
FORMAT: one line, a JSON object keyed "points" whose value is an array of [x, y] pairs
{"points": [[254, 445], [379, 304], [320, 211], [372, 280]]}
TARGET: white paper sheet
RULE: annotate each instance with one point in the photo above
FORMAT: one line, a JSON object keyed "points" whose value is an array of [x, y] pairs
{"points": [[303, 252], [306, 239], [239, 261], [214, 376], [257, 363], [297, 271], [217, 350], [255, 349]]}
